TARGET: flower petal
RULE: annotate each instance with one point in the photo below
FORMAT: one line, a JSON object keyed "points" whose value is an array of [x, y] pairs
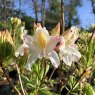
{"points": [[29, 40], [31, 60], [20, 50], [42, 38], [67, 59], [71, 35], [54, 59], [38, 25], [62, 44], [53, 42], [56, 30], [69, 55], [23, 32]]}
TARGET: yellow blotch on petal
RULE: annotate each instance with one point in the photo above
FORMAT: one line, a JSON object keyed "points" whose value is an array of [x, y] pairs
{"points": [[42, 40]]}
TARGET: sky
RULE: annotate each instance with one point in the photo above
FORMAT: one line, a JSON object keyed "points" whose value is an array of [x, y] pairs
{"points": [[85, 14]]}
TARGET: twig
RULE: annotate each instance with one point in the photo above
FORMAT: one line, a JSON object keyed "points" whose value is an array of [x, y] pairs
{"points": [[20, 79], [52, 73], [4, 72]]}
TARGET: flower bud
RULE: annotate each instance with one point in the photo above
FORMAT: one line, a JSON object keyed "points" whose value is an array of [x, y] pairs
{"points": [[16, 22], [6, 45], [71, 35]]}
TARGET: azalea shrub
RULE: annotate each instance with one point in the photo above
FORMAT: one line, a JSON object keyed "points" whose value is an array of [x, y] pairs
{"points": [[47, 62]]}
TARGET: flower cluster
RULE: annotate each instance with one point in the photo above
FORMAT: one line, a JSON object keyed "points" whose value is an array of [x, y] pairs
{"points": [[42, 44]]}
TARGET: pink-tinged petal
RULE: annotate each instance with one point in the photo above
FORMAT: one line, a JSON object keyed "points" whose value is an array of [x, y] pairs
{"points": [[33, 57], [62, 44], [54, 40], [74, 46], [54, 59], [20, 50]]}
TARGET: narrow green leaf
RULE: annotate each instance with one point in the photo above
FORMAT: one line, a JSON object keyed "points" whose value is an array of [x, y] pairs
{"points": [[45, 92], [89, 90]]}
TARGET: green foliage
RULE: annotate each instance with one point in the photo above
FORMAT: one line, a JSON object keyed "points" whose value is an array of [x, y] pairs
{"points": [[7, 51], [3, 26], [29, 23], [45, 92], [89, 90]]}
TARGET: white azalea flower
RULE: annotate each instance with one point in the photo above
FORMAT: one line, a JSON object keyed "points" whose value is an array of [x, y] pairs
{"points": [[68, 50], [41, 45], [69, 55]]}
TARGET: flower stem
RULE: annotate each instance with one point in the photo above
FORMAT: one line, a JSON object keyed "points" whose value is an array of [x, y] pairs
{"points": [[20, 81], [43, 63], [52, 73]]}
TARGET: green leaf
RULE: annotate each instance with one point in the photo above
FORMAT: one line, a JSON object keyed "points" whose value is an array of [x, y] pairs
{"points": [[30, 85], [45, 92], [90, 52], [71, 81], [26, 79], [41, 73], [84, 60], [47, 68], [36, 68], [89, 90]]}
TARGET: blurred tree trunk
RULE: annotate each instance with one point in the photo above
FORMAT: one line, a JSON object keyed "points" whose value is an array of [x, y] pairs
{"points": [[93, 7], [4, 11], [19, 8], [35, 5], [12, 8], [62, 17], [43, 12]]}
